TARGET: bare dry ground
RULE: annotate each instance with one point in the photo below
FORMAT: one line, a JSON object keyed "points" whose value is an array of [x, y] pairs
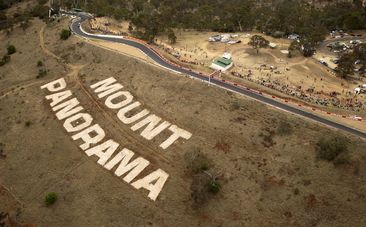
{"points": [[267, 178]]}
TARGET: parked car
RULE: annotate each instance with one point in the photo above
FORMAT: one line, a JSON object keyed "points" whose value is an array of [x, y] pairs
{"points": [[323, 62], [355, 41]]}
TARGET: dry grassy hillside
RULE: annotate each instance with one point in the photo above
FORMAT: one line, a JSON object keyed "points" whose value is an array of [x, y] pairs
{"points": [[265, 159]]}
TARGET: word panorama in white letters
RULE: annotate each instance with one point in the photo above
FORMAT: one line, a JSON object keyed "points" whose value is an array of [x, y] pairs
{"points": [[122, 101], [92, 137]]}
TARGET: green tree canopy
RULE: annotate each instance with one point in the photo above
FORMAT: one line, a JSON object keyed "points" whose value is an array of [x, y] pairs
{"points": [[171, 36], [257, 42], [280, 17], [11, 49], [345, 66], [65, 34]]}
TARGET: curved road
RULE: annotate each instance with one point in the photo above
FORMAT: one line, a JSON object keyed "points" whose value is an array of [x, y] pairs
{"points": [[75, 28]]}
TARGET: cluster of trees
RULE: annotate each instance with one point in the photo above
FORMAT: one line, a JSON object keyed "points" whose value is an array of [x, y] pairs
{"points": [[303, 46], [40, 9], [276, 17], [4, 4], [205, 183], [353, 61]]}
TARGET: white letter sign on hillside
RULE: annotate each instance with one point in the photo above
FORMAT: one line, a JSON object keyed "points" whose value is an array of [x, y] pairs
{"points": [[129, 120], [127, 99], [92, 137], [150, 124]]}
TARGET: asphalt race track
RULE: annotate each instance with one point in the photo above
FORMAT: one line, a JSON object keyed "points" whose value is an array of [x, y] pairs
{"points": [[75, 28]]}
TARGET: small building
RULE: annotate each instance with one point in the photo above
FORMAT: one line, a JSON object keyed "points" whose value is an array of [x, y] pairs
{"points": [[227, 56], [222, 63], [272, 45]]}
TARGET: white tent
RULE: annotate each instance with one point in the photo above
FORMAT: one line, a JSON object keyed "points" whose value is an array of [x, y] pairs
{"points": [[272, 45], [227, 56]]}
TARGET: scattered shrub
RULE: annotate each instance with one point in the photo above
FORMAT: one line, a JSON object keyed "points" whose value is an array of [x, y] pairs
{"points": [[342, 159], [39, 63], [2, 151], [196, 161], [27, 123], [214, 186], [65, 34], [50, 198], [4, 60], [235, 106], [199, 190], [41, 73], [284, 128], [330, 148], [11, 49], [204, 186], [267, 135]]}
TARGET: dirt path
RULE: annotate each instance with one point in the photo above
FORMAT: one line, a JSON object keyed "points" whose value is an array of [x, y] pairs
{"points": [[19, 87], [31, 82], [42, 44]]}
